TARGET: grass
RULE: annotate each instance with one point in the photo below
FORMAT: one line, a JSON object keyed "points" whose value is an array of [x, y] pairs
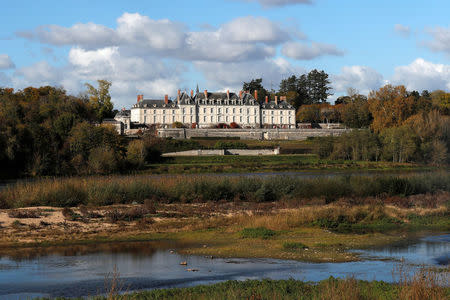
{"points": [[69, 192], [421, 285], [275, 163], [259, 232]]}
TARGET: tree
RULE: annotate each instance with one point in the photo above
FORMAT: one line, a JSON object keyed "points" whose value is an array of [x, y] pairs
{"points": [[399, 143], [354, 110], [136, 153], [256, 85], [100, 99], [318, 86], [309, 113], [390, 106]]}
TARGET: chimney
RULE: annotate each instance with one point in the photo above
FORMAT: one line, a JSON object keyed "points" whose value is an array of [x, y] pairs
{"points": [[166, 99], [267, 99], [240, 94], [192, 93], [140, 98], [256, 95], [178, 97], [276, 100], [228, 94], [206, 94]]}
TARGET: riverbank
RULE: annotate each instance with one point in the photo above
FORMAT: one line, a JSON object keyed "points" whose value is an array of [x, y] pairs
{"points": [[284, 229], [422, 285]]}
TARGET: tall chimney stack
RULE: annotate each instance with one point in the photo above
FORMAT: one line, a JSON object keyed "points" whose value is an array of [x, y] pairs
{"points": [[256, 95], [166, 99], [140, 98], [240, 94], [206, 94], [267, 99], [192, 93], [178, 97], [276, 100], [228, 95]]}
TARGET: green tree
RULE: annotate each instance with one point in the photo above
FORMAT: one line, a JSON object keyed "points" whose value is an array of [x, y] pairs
{"points": [[256, 85], [399, 144], [100, 99], [318, 86]]}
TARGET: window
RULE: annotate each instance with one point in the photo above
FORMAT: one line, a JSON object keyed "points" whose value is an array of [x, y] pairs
{"points": [[240, 110], [173, 118], [226, 110], [204, 110], [226, 119], [281, 120], [240, 119], [271, 112], [248, 111], [234, 110], [289, 120], [145, 111], [211, 119], [184, 119], [211, 110], [164, 119], [191, 119], [184, 110], [191, 110], [154, 119], [164, 111], [154, 111], [254, 111], [173, 111], [145, 119], [234, 119], [248, 120], [204, 118], [220, 110]]}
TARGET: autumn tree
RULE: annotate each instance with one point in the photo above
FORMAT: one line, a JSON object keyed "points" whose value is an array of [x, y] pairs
{"points": [[100, 99], [390, 106]]}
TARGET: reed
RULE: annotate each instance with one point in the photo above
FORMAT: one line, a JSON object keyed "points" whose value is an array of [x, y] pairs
{"points": [[74, 191]]}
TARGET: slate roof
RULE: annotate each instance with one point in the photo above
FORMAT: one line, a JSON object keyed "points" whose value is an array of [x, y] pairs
{"points": [[273, 105], [247, 99], [123, 113]]}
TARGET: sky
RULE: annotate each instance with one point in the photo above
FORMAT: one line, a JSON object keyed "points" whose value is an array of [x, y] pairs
{"points": [[155, 47]]}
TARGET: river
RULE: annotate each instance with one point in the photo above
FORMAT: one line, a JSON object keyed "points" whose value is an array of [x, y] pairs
{"points": [[77, 271]]}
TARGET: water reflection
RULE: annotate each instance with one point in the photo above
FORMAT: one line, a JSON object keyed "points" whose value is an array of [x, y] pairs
{"points": [[81, 270]]}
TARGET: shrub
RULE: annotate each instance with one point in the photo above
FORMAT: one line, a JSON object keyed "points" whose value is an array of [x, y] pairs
{"points": [[136, 153], [102, 160], [258, 232]]}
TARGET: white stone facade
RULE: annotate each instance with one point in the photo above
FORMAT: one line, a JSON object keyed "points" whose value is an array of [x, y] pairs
{"points": [[212, 110]]}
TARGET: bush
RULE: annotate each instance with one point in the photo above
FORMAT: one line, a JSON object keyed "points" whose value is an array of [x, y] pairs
{"points": [[136, 153], [258, 232], [102, 160]]}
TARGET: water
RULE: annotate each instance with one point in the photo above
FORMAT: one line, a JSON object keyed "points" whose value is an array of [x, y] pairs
{"points": [[82, 270]]}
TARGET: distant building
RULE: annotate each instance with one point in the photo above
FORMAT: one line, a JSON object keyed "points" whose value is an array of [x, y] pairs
{"points": [[209, 110]]}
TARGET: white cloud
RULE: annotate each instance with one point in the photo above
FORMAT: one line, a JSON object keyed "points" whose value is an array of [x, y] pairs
{"points": [[38, 74], [272, 3], [234, 74], [402, 30], [253, 29], [362, 78], [423, 75], [6, 62], [303, 51], [88, 35], [441, 40]]}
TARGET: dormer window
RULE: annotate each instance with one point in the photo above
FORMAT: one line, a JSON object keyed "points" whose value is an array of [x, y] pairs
{"points": [[154, 105]]}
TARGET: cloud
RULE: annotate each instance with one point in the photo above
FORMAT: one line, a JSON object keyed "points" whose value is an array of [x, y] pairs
{"points": [[423, 75], [6, 62], [303, 51], [88, 35], [441, 40], [402, 30], [362, 78], [233, 75], [273, 3]]}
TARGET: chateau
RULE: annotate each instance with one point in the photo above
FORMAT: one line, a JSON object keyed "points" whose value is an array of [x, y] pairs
{"points": [[210, 110]]}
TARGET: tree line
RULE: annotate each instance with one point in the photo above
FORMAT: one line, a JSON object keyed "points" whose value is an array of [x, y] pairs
{"points": [[391, 123], [44, 131]]}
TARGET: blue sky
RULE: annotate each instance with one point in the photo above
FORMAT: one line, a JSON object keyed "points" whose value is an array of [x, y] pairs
{"points": [[156, 47]]}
